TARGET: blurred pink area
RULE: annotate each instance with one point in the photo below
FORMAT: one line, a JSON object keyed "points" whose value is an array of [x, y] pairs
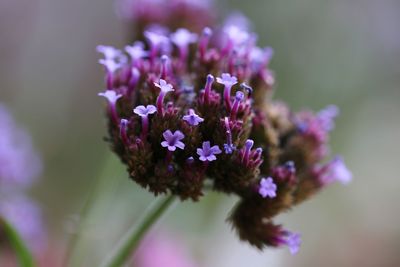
{"points": [[162, 249]]}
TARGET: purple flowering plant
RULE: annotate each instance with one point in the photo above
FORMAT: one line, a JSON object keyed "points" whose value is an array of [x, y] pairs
{"points": [[229, 132]]}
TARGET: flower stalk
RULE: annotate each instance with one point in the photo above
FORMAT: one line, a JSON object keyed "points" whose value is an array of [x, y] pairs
{"points": [[130, 242]]}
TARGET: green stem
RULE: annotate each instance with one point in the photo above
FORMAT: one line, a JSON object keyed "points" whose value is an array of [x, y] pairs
{"points": [[129, 244], [24, 256]]}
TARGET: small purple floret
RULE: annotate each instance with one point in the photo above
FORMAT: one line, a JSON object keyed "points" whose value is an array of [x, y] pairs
{"points": [[164, 86], [192, 118], [267, 188], [182, 38], [207, 153], [143, 111], [293, 241], [337, 171], [136, 51], [228, 81], [327, 117], [111, 96], [172, 140]]}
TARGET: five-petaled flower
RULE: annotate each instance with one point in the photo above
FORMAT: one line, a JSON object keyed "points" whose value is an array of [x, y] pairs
{"points": [[192, 118], [172, 140], [207, 153], [267, 188]]}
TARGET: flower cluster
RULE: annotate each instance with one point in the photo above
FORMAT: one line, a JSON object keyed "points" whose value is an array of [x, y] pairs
{"points": [[19, 167], [186, 107]]}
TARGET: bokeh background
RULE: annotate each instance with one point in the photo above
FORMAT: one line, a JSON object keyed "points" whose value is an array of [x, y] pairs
{"points": [[341, 52]]}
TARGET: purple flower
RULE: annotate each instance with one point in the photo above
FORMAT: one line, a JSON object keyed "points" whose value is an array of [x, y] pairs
{"points": [[293, 241], [136, 51], [192, 118], [164, 86], [208, 153], [156, 39], [143, 111], [327, 117], [110, 64], [236, 35], [267, 188], [111, 96], [228, 81], [183, 37], [109, 52], [172, 140], [337, 171]]}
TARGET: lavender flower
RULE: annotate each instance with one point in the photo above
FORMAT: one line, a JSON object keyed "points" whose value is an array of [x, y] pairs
{"points": [[165, 88], [136, 51], [112, 98], [173, 140], [192, 118], [207, 153], [144, 113], [336, 170], [267, 188], [228, 81], [182, 38], [293, 241]]}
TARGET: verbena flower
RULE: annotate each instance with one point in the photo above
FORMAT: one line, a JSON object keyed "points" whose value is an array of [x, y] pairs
{"points": [[272, 157]]}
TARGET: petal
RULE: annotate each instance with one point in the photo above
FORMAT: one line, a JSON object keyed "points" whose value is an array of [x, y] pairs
{"points": [[215, 150], [167, 135], [200, 152], [171, 148], [164, 144], [211, 158], [151, 109], [180, 145], [206, 146], [179, 135]]}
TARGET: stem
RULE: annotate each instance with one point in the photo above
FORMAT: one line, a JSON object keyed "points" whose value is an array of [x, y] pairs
{"points": [[130, 243], [24, 256]]}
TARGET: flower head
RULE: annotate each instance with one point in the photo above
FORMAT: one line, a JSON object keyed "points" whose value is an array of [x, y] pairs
{"points": [[267, 188], [144, 111], [173, 140], [192, 118], [207, 153]]}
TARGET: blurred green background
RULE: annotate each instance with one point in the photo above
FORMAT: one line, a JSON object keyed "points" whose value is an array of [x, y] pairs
{"points": [[326, 52]]}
